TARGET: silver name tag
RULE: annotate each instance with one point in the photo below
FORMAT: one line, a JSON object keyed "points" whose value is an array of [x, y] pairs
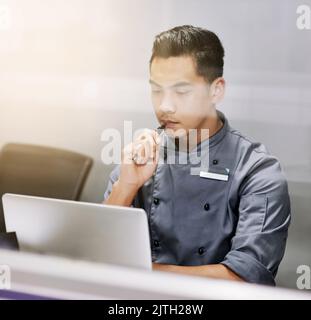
{"points": [[215, 175]]}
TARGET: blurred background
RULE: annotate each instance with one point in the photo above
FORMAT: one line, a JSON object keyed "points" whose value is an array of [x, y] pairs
{"points": [[71, 69]]}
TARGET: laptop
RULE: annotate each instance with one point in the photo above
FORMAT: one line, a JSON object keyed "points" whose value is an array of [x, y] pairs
{"points": [[85, 231]]}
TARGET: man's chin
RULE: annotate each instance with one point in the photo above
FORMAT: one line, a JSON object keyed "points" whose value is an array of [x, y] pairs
{"points": [[176, 133]]}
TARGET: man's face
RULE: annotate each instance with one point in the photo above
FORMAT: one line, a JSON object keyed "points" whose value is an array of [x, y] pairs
{"points": [[181, 98]]}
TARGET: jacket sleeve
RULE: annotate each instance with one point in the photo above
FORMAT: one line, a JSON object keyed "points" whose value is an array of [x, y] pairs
{"points": [[113, 177], [258, 245]]}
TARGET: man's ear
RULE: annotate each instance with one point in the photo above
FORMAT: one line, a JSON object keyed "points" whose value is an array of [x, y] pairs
{"points": [[218, 87]]}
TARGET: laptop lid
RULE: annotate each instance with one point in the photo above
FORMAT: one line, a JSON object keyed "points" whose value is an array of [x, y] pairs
{"points": [[87, 231]]}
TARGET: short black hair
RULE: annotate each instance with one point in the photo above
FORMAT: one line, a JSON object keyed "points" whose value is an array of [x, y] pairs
{"points": [[201, 44]]}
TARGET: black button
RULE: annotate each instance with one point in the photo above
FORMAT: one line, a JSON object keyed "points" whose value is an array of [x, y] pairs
{"points": [[156, 243], [206, 206], [215, 161], [156, 201], [201, 250]]}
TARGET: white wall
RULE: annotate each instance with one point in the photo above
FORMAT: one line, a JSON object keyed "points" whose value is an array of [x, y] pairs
{"points": [[70, 69]]}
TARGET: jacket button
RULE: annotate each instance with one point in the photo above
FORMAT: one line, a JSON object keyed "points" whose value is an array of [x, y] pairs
{"points": [[156, 201], [206, 206], [215, 161], [201, 250], [156, 243]]}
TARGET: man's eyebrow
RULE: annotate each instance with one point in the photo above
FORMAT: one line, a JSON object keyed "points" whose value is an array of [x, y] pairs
{"points": [[181, 84], [177, 84], [153, 82]]}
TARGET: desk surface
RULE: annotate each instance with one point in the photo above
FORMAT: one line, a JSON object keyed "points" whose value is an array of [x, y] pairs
{"points": [[62, 278]]}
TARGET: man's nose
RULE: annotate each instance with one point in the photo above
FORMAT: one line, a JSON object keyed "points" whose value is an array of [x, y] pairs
{"points": [[167, 104]]}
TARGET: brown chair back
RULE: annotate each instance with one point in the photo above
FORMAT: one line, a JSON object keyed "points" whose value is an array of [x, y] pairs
{"points": [[42, 171]]}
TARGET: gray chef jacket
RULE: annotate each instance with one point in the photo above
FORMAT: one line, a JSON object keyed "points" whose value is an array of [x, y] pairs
{"points": [[241, 223]]}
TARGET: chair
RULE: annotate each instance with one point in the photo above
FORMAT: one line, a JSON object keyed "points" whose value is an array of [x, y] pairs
{"points": [[41, 171]]}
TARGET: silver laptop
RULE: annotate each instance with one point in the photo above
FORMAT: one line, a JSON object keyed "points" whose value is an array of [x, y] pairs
{"points": [[93, 232]]}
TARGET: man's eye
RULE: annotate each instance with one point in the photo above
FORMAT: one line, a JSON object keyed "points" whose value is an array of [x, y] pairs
{"points": [[156, 90], [182, 91]]}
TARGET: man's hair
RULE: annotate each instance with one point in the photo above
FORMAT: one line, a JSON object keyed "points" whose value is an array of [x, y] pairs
{"points": [[202, 45]]}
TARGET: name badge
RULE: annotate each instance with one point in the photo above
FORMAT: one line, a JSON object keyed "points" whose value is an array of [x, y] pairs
{"points": [[221, 174]]}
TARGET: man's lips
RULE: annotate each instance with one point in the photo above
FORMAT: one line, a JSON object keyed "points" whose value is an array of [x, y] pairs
{"points": [[170, 123]]}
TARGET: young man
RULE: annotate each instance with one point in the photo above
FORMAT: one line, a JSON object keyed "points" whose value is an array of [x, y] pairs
{"points": [[233, 227]]}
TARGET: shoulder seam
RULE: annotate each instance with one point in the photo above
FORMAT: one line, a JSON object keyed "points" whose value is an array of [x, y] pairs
{"points": [[234, 132]]}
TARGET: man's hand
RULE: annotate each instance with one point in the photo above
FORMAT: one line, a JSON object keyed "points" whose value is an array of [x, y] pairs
{"points": [[139, 161]]}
